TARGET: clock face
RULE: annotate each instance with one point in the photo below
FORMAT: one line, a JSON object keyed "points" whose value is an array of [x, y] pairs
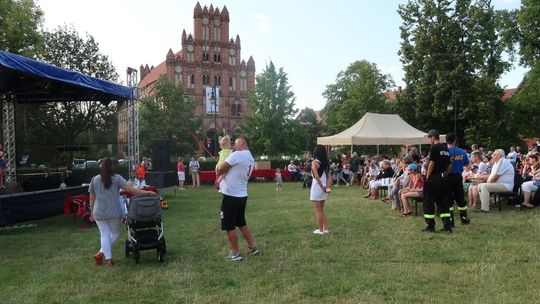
{"points": [[190, 48], [243, 73], [205, 20], [178, 69], [217, 22], [232, 52]]}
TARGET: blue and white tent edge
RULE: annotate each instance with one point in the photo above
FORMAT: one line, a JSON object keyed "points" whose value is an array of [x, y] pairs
{"points": [[15, 67]]}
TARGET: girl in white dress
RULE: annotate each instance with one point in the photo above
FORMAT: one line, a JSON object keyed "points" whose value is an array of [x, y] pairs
{"points": [[320, 187]]}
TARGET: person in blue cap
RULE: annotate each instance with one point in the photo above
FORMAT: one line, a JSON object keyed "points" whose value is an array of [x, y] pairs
{"points": [[459, 160]]}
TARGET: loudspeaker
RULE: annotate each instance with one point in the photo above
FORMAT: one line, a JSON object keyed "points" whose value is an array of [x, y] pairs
{"points": [[161, 155]]}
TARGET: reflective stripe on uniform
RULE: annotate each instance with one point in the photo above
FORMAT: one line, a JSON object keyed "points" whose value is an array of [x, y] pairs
{"points": [[451, 208], [429, 216], [445, 215], [462, 208]]}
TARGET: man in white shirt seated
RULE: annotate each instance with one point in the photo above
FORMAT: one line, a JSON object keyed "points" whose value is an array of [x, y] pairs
{"points": [[501, 179], [293, 170]]}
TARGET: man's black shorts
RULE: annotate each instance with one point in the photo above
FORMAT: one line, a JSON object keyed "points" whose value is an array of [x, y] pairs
{"points": [[232, 212]]}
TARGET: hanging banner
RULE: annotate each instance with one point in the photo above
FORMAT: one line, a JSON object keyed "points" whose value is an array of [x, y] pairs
{"points": [[212, 100]]}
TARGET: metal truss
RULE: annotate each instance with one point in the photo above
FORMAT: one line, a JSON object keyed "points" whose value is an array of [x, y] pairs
{"points": [[133, 122], [8, 121]]}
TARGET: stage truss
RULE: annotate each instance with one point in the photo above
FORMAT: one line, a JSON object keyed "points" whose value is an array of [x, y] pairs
{"points": [[133, 122], [8, 125]]}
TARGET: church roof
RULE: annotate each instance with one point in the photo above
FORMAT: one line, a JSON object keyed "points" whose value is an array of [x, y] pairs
{"points": [[155, 73]]}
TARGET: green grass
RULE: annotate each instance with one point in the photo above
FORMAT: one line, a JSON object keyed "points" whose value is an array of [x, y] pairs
{"points": [[371, 256]]}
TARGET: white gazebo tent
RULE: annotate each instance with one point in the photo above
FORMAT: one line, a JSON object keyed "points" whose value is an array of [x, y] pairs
{"points": [[377, 129]]}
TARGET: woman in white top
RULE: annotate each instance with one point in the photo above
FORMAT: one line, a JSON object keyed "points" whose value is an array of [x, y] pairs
{"points": [[320, 187]]}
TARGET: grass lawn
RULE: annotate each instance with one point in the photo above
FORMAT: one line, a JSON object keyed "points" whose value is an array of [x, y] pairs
{"points": [[372, 256]]}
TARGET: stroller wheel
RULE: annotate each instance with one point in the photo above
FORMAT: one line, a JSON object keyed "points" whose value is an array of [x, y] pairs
{"points": [[163, 246], [127, 248], [136, 254], [160, 255]]}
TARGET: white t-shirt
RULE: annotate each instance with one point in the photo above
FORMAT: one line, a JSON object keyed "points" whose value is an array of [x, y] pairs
{"points": [[512, 156], [482, 167], [236, 180], [504, 169]]}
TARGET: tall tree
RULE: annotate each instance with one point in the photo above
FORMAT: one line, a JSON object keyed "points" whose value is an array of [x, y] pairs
{"points": [[311, 129], [359, 89], [452, 55], [170, 115], [20, 23], [271, 128], [527, 99], [63, 122]]}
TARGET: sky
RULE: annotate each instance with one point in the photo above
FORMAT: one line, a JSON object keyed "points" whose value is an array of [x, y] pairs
{"points": [[313, 40]]}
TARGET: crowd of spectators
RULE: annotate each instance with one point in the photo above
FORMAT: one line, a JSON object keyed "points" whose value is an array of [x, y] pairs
{"points": [[403, 175]]}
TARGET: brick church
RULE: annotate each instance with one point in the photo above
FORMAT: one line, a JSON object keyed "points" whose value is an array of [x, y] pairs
{"points": [[210, 68]]}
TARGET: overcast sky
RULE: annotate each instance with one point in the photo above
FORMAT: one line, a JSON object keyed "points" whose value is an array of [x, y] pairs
{"points": [[311, 40]]}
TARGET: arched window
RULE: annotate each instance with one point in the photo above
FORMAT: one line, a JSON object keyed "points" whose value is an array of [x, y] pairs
{"points": [[236, 108], [205, 32], [232, 84]]}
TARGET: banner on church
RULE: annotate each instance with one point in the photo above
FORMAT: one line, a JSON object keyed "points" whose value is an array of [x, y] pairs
{"points": [[212, 100]]}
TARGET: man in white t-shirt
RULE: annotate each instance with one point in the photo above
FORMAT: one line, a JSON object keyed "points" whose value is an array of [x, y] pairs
{"points": [[512, 156], [237, 168], [501, 179]]}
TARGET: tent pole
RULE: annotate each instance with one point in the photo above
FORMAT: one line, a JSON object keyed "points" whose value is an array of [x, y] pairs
{"points": [[351, 149], [377, 150]]}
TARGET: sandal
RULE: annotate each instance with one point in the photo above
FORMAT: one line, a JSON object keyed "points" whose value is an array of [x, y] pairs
{"points": [[406, 214]]}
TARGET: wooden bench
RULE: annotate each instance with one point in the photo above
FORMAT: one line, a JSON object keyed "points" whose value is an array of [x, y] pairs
{"points": [[416, 201], [498, 195]]}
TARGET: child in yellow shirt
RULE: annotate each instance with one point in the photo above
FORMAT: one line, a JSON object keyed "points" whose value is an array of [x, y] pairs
{"points": [[225, 144]]}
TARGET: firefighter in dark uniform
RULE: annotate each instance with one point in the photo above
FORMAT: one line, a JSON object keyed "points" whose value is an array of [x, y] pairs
{"points": [[435, 185], [459, 159]]}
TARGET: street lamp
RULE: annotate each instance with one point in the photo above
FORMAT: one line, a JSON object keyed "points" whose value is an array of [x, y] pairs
{"points": [[213, 100], [452, 106]]}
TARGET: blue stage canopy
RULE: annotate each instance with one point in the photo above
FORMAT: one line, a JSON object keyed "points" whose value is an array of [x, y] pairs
{"points": [[30, 80]]}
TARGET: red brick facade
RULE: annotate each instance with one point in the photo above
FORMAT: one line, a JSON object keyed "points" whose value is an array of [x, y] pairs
{"points": [[208, 58]]}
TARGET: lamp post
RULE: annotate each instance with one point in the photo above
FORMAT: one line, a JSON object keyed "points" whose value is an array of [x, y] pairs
{"points": [[213, 100], [452, 106]]}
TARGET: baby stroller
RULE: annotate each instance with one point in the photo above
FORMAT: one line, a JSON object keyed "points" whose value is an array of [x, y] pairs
{"points": [[145, 227]]}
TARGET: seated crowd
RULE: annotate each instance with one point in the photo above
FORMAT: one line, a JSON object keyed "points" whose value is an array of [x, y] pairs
{"points": [[403, 176]]}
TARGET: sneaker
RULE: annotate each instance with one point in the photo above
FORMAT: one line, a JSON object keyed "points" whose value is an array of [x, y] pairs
{"points": [[465, 220], [109, 263], [234, 257], [99, 258], [326, 231], [318, 231], [253, 250], [428, 229]]}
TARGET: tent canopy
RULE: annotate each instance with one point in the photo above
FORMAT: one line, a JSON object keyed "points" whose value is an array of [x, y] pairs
{"points": [[34, 81], [377, 129]]}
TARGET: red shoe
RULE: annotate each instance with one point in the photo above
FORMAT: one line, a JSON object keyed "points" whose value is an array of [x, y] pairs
{"points": [[99, 258]]}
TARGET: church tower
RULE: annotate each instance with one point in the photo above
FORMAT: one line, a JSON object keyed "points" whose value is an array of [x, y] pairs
{"points": [[208, 65]]}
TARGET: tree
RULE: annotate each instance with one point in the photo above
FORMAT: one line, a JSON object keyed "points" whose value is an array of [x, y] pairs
{"points": [[359, 89], [452, 54], [526, 31], [170, 115], [271, 128], [20, 22], [529, 32], [64, 122], [311, 129]]}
